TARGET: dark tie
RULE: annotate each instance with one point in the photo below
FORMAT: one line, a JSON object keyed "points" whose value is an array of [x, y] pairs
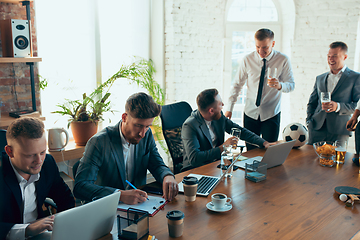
{"points": [[261, 83]]}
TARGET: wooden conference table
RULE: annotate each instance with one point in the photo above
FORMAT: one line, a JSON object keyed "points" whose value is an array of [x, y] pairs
{"points": [[296, 201]]}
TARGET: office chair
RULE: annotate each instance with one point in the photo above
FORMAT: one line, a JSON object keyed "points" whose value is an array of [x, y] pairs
{"points": [[3, 141], [172, 118]]}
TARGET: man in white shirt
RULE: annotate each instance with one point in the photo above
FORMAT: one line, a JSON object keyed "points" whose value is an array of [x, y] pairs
{"points": [[27, 176], [326, 121], [263, 97]]}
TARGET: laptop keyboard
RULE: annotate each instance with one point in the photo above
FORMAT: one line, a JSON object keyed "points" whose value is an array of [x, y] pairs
{"points": [[206, 184]]}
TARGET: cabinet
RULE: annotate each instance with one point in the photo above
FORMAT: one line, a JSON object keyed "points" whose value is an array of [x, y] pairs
{"points": [[28, 60]]}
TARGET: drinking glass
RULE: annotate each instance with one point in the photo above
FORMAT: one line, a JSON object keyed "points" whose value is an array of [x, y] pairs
{"points": [[226, 160], [341, 148], [325, 97], [271, 73], [236, 132]]}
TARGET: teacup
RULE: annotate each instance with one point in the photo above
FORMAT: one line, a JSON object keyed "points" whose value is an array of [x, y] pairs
{"points": [[218, 200]]}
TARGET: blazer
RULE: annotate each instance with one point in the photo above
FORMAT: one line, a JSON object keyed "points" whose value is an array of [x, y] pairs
{"points": [[102, 168], [50, 184], [197, 142], [346, 92]]}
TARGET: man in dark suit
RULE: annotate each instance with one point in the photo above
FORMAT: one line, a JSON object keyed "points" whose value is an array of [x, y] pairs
{"points": [[327, 121], [203, 132], [124, 152], [27, 176]]}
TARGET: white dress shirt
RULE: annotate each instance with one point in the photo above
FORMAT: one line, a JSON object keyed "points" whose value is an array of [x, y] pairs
{"points": [[249, 72], [332, 80], [128, 151], [212, 134], [29, 209]]}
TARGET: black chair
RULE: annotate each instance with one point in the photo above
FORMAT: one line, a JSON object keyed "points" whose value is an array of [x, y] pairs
{"points": [[3, 141], [172, 118]]}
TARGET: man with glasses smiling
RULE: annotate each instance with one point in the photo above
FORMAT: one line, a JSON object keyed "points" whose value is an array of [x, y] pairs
{"points": [[124, 152], [263, 97]]}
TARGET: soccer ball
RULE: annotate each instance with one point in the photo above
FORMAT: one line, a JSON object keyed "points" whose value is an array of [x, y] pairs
{"points": [[296, 131]]}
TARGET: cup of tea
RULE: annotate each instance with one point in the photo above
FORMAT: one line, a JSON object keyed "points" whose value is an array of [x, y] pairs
{"points": [[190, 188], [175, 223], [340, 150], [218, 200], [56, 140]]}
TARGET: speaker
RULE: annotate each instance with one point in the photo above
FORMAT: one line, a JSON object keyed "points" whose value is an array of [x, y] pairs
{"points": [[15, 38]]}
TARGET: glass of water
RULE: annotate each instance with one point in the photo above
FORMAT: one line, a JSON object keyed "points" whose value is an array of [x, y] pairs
{"points": [[325, 97], [226, 160]]}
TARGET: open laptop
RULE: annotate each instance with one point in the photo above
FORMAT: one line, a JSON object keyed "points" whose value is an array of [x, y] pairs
{"points": [[274, 156], [206, 183], [90, 221]]}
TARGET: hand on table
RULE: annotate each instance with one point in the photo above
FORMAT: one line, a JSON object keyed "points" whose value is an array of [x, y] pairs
{"points": [[39, 226], [329, 106], [170, 187], [133, 196]]}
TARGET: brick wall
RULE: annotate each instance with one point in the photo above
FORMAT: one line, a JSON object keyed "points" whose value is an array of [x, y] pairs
{"points": [[194, 31], [15, 90]]}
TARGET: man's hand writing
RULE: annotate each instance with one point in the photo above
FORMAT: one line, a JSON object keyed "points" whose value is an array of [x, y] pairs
{"points": [[133, 196]]}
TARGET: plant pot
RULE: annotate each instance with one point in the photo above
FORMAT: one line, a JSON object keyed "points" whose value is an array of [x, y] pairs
{"points": [[83, 131]]}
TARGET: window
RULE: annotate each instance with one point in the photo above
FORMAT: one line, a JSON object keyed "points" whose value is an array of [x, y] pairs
{"points": [[252, 11]]}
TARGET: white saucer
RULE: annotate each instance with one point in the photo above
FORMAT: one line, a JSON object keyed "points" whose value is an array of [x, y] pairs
{"points": [[211, 207]]}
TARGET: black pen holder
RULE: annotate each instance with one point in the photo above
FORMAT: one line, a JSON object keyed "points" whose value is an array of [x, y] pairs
{"points": [[134, 226], [256, 171]]}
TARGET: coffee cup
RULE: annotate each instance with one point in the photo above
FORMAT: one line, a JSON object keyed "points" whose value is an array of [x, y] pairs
{"points": [[218, 200], [56, 139], [190, 188], [175, 223]]}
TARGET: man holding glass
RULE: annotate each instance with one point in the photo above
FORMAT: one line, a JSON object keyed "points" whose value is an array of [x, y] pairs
{"points": [[203, 132], [333, 99], [267, 73]]}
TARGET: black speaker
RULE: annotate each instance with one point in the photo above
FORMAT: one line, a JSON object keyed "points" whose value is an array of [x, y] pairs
{"points": [[15, 38]]}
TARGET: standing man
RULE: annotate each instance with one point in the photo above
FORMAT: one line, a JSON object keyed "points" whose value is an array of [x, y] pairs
{"points": [[27, 176], [327, 121], [263, 97], [203, 132], [124, 152]]}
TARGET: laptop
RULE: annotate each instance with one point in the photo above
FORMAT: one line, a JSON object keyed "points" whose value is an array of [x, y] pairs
{"points": [[275, 155], [90, 221], [206, 183]]}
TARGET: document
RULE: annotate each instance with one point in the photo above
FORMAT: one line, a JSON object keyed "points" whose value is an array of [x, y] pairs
{"points": [[152, 206]]}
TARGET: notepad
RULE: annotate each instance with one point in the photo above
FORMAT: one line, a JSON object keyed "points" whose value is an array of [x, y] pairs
{"points": [[152, 206]]}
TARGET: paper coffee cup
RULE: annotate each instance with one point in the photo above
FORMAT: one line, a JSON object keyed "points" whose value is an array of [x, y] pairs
{"points": [[190, 188], [175, 223]]}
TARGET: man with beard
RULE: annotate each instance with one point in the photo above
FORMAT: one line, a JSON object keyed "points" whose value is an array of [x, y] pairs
{"points": [[124, 152], [204, 131]]}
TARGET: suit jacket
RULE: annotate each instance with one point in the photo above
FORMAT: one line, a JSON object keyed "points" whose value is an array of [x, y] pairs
{"points": [[197, 142], [102, 168], [50, 184], [346, 92]]}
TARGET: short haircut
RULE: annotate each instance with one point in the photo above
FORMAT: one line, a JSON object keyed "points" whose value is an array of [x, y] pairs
{"points": [[141, 105], [263, 34], [27, 127], [206, 98], [339, 44]]}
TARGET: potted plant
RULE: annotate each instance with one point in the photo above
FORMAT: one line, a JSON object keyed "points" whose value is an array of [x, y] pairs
{"points": [[85, 113]]}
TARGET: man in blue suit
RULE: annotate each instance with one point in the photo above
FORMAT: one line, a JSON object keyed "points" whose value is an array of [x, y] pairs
{"points": [[27, 176], [327, 121], [124, 152]]}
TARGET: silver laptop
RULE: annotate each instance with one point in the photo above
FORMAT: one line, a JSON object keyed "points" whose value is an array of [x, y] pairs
{"points": [[206, 183], [90, 221], [274, 156]]}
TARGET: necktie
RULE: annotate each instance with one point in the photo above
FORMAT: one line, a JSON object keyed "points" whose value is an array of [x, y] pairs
{"points": [[261, 83]]}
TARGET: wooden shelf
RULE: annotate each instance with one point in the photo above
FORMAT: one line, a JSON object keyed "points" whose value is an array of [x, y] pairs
{"points": [[13, 1], [71, 151], [5, 119], [18, 60]]}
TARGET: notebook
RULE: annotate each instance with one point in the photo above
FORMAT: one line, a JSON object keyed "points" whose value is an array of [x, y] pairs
{"points": [[206, 183], [274, 156], [89, 221], [152, 206]]}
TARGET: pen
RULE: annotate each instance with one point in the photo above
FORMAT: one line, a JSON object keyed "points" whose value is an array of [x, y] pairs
{"points": [[130, 184]]}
